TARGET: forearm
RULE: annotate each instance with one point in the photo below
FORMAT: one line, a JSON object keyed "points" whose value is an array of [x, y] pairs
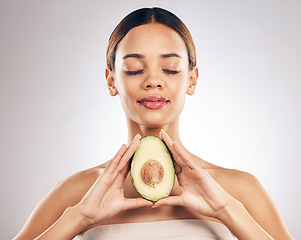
{"points": [[241, 223], [70, 224]]}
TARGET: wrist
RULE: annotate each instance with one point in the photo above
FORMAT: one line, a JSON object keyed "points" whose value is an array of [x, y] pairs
{"points": [[237, 219], [70, 224], [229, 211], [81, 220]]}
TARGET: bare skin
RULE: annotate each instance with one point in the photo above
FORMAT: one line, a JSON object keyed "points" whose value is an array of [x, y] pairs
{"points": [[105, 194], [232, 181]]}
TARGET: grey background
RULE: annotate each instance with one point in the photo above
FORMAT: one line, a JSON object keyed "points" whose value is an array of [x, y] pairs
{"points": [[57, 117]]}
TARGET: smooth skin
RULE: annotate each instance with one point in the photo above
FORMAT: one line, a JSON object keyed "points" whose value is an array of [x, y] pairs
{"points": [[105, 194]]}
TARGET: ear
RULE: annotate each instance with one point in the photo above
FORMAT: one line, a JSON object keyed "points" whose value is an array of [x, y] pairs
{"points": [[111, 82], [193, 79]]}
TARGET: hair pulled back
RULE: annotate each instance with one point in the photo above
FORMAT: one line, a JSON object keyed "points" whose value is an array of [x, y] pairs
{"points": [[144, 16]]}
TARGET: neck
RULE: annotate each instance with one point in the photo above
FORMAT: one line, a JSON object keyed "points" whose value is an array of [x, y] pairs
{"points": [[172, 129]]}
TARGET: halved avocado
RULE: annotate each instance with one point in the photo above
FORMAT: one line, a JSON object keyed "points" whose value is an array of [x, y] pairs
{"points": [[152, 169]]}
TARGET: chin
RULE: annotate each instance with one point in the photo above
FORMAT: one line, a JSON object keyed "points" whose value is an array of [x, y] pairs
{"points": [[154, 121], [153, 125], [154, 118]]}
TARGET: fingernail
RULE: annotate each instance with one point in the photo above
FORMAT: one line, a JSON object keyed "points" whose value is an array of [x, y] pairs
{"points": [[134, 139], [160, 133]]}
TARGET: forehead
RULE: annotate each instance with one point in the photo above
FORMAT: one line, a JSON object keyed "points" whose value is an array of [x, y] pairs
{"points": [[152, 39]]}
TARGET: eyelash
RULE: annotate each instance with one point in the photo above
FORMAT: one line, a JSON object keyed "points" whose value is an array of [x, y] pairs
{"points": [[171, 72], [134, 72]]}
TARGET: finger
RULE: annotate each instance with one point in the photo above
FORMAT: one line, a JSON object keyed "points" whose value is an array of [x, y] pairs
{"points": [[108, 176], [197, 171], [118, 171], [123, 167], [178, 169], [96, 192], [128, 154], [116, 159], [112, 167], [131, 203], [169, 144], [184, 156], [124, 172], [103, 183], [170, 201], [137, 136], [122, 176], [164, 136]]}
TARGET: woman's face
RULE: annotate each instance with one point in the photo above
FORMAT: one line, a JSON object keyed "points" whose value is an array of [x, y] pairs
{"points": [[152, 75]]}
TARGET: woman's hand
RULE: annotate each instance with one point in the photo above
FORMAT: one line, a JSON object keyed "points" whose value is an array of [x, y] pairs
{"points": [[199, 191], [105, 198]]}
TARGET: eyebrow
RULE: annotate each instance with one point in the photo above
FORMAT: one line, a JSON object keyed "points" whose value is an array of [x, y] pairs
{"points": [[136, 55], [133, 55], [168, 55]]}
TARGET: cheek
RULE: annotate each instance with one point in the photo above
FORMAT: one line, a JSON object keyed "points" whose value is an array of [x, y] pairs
{"points": [[181, 85], [126, 99], [179, 94], [127, 92], [121, 83]]}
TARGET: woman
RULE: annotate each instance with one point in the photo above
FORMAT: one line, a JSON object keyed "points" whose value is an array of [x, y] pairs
{"points": [[151, 65]]}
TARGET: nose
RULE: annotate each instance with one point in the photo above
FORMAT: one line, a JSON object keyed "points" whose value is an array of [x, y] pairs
{"points": [[153, 82]]}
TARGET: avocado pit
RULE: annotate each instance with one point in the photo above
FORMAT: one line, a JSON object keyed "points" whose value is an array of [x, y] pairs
{"points": [[152, 172]]}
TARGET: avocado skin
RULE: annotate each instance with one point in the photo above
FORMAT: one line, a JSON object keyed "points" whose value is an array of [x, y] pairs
{"points": [[152, 147]]}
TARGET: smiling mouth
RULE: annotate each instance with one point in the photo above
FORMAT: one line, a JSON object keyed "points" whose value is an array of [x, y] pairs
{"points": [[153, 102]]}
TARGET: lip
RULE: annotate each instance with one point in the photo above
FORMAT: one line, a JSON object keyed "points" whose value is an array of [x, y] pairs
{"points": [[153, 102]]}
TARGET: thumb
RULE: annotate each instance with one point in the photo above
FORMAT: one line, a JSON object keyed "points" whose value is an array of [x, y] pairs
{"points": [[170, 201], [131, 203]]}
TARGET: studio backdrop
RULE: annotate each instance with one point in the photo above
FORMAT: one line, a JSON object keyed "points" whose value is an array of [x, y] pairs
{"points": [[57, 117]]}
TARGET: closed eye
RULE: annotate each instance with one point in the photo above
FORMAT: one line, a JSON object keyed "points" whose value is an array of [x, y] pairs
{"points": [[172, 72], [134, 72]]}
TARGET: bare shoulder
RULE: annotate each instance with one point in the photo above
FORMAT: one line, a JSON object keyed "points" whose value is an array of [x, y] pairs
{"points": [[243, 186], [247, 189], [74, 187], [237, 183], [64, 194]]}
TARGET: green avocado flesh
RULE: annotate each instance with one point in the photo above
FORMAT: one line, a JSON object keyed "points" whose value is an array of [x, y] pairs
{"points": [[152, 169]]}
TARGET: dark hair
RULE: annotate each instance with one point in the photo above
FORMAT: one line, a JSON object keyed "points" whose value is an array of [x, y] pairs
{"points": [[144, 16]]}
